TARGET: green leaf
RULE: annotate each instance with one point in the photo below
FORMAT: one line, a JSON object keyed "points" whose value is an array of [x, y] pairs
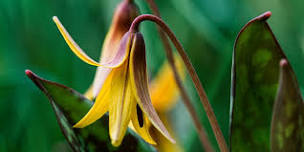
{"points": [[255, 78], [287, 128], [69, 107]]}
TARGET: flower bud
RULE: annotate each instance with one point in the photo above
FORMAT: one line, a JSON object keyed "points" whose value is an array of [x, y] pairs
{"points": [[125, 13]]}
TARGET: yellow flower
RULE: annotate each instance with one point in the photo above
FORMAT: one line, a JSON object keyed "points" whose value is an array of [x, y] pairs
{"points": [[124, 92]]}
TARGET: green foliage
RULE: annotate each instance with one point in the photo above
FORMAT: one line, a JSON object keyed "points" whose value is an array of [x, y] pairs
{"points": [[287, 128], [69, 107], [255, 81], [206, 28]]}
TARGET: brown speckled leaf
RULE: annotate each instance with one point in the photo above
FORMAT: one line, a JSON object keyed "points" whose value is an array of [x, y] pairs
{"points": [[69, 107], [287, 129], [254, 85]]}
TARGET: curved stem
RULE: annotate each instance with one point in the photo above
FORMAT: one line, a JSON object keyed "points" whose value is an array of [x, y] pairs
{"points": [[129, 1], [198, 126], [199, 88]]}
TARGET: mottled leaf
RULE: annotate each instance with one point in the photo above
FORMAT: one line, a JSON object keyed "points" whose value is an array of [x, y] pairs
{"points": [[255, 78], [287, 128], [69, 107]]}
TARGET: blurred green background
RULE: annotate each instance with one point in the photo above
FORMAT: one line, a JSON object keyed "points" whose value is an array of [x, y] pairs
{"points": [[207, 29]]}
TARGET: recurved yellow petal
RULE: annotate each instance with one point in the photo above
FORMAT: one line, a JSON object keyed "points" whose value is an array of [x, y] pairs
{"points": [[141, 129], [100, 106], [163, 89], [73, 45], [139, 81], [121, 103]]}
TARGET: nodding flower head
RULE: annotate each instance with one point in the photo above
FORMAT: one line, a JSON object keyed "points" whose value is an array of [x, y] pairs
{"points": [[124, 92]]}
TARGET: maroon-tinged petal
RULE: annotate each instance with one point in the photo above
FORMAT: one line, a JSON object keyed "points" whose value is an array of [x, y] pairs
{"points": [[124, 14], [115, 62], [123, 17], [139, 82], [122, 53]]}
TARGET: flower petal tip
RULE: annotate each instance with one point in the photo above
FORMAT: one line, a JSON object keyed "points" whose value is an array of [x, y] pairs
{"points": [[55, 18], [78, 126], [152, 143], [115, 142], [73, 45]]}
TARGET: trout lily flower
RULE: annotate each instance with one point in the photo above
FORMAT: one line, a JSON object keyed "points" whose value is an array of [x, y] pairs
{"points": [[124, 92]]}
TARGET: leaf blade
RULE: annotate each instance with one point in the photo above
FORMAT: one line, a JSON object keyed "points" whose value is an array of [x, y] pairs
{"points": [[254, 83], [287, 133], [70, 106]]}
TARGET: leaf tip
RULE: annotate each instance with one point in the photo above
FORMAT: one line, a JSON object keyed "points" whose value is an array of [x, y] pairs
{"points": [[283, 63], [265, 16], [36, 79], [30, 74]]}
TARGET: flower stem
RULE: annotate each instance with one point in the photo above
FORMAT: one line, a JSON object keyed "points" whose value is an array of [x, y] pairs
{"points": [[129, 1], [199, 88], [200, 129]]}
